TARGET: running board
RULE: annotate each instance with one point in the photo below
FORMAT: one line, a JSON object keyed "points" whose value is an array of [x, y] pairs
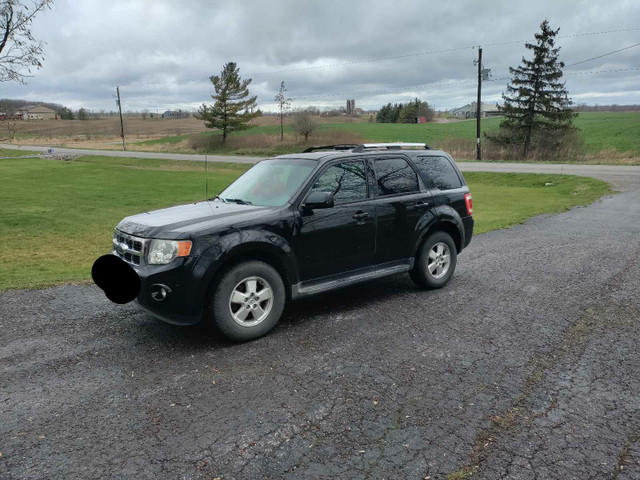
{"points": [[314, 287]]}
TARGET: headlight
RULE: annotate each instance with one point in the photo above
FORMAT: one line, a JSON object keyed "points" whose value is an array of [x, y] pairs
{"points": [[164, 251]]}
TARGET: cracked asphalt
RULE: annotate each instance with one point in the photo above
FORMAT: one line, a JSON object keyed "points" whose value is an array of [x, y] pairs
{"points": [[526, 366]]}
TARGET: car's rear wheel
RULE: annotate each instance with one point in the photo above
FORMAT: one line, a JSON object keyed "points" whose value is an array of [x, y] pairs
{"points": [[435, 262], [247, 301]]}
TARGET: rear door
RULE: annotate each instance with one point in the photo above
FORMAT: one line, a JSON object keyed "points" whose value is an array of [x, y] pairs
{"points": [[444, 181], [334, 240], [401, 202]]}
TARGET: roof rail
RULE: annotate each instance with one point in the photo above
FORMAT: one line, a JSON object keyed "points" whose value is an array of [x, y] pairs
{"points": [[341, 146], [363, 146], [390, 146]]}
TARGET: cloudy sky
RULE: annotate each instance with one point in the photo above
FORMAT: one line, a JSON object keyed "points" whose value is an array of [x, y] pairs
{"points": [[161, 52]]}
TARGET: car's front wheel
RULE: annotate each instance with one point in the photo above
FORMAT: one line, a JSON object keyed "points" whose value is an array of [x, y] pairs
{"points": [[247, 301], [435, 261]]}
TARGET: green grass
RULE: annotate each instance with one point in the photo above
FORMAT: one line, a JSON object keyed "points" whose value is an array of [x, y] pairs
{"points": [[501, 200], [57, 216], [9, 152], [602, 131]]}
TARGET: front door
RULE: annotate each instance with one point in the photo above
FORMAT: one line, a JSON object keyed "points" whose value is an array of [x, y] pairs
{"points": [[335, 240]]}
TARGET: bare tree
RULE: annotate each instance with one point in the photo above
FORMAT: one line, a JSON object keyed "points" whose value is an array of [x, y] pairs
{"points": [[19, 50], [303, 123], [283, 104]]}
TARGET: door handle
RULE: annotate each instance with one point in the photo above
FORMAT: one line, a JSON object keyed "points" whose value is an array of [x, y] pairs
{"points": [[422, 204], [360, 215]]}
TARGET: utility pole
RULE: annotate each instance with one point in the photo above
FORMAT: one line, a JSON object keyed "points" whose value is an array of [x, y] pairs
{"points": [[124, 146], [479, 104]]}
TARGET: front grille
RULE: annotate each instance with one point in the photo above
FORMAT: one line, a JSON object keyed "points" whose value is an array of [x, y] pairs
{"points": [[129, 248]]}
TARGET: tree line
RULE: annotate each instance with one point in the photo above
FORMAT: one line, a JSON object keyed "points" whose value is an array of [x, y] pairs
{"points": [[405, 113]]}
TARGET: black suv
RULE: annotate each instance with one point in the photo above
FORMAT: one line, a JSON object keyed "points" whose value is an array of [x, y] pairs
{"points": [[293, 226]]}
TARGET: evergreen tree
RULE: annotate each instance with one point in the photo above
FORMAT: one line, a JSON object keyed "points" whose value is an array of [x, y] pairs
{"points": [[231, 101], [65, 113], [536, 103], [82, 114], [383, 114]]}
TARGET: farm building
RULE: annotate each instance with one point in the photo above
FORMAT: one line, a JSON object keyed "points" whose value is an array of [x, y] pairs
{"points": [[175, 114], [37, 112], [470, 109]]}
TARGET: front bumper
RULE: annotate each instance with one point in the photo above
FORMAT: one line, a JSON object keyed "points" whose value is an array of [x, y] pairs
{"points": [[171, 292]]}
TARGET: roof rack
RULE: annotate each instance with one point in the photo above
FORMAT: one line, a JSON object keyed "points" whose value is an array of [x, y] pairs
{"points": [[390, 146], [368, 146], [341, 146]]}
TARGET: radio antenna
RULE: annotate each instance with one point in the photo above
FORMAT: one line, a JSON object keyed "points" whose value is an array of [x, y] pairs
{"points": [[206, 179]]}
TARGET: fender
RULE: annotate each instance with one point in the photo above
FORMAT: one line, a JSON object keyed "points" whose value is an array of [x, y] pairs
{"points": [[438, 215], [241, 243]]}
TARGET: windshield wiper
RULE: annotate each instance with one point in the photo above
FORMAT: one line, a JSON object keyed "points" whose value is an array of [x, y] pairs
{"points": [[239, 201]]}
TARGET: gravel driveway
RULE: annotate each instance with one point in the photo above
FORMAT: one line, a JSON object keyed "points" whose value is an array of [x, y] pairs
{"points": [[525, 367]]}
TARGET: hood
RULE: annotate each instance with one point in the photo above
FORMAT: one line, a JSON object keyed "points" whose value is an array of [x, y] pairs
{"points": [[185, 220]]}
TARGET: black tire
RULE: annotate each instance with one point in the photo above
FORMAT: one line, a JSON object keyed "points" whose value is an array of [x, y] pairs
{"points": [[224, 314], [422, 274]]}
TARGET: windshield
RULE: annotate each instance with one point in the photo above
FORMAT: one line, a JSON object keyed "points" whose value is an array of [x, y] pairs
{"points": [[270, 182]]}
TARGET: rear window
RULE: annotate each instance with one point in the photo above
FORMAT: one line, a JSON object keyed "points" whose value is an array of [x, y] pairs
{"points": [[439, 173], [394, 176]]}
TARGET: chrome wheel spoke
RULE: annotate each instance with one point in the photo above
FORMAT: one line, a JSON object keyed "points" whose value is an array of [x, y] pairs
{"points": [[432, 267], [251, 285], [238, 297], [264, 294], [432, 254], [258, 312], [242, 313]]}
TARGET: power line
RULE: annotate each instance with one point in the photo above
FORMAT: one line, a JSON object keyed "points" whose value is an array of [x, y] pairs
{"points": [[389, 90], [603, 55], [416, 54]]}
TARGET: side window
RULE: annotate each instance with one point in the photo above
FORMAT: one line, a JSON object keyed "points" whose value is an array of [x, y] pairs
{"points": [[347, 181], [395, 175], [438, 172]]}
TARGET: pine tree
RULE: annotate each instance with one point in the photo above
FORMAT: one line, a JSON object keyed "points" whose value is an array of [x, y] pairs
{"points": [[536, 103], [232, 108]]}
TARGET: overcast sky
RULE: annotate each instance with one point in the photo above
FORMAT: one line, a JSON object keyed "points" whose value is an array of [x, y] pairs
{"points": [[161, 53]]}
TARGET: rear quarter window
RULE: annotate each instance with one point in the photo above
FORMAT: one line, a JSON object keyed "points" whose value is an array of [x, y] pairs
{"points": [[438, 173]]}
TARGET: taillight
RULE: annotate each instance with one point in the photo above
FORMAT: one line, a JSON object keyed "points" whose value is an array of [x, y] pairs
{"points": [[468, 201]]}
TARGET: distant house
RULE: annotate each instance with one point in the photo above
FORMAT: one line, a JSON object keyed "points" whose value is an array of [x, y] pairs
{"points": [[37, 112], [470, 109], [175, 114]]}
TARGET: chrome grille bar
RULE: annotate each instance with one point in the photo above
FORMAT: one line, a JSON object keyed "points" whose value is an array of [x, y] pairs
{"points": [[129, 248]]}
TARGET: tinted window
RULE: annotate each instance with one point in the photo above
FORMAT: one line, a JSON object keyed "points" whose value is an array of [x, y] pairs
{"points": [[395, 175], [347, 181], [439, 173]]}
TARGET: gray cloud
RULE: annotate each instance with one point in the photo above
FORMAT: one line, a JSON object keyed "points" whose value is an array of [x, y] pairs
{"points": [[161, 53]]}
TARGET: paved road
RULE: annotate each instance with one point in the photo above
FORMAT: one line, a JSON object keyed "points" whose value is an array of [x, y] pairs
{"points": [[524, 367], [621, 177], [131, 154]]}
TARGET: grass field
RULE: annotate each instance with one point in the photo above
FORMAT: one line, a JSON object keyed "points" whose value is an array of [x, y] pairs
{"points": [[58, 216], [6, 152]]}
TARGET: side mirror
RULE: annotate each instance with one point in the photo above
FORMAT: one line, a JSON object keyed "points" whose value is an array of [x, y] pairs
{"points": [[319, 200]]}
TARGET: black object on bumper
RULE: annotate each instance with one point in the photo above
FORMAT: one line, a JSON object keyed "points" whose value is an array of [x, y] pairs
{"points": [[118, 280]]}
